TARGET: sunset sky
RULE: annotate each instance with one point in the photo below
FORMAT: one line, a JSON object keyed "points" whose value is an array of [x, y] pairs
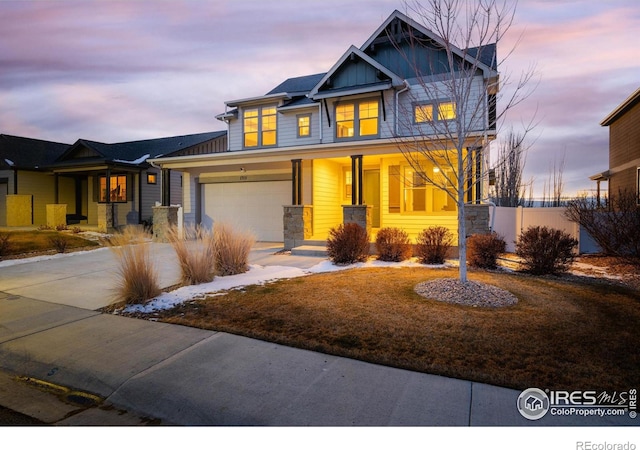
{"points": [[116, 71]]}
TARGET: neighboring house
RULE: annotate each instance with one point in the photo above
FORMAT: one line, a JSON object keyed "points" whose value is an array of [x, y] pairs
{"points": [[87, 174], [624, 147], [323, 141]]}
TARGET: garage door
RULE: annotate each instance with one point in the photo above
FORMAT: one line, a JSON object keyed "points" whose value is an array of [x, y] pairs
{"points": [[255, 206]]}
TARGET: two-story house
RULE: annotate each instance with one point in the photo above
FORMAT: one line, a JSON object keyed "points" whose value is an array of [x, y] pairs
{"points": [[624, 148], [326, 146]]}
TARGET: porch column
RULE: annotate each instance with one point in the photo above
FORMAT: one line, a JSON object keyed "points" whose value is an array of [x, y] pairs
{"points": [[56, 192], [296, 182], [356, 180], [108, 186], [166, 187]]}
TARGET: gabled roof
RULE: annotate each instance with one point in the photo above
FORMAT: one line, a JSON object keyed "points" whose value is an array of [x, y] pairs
{"points": [[387, 78], [629, 103], [486, 62], [26, 153], [134, 153]]}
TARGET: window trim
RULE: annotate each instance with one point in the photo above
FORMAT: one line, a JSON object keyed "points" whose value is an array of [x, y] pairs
{"points": [[152, 178], [356, 119], [259, 126], [298, 134]]}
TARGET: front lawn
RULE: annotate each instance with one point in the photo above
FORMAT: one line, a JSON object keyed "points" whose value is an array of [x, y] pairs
{"points": [[27, 242], [564, 333]]}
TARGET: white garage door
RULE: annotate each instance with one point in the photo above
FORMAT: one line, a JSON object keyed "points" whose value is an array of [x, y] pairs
{"points": [[253, 206]]}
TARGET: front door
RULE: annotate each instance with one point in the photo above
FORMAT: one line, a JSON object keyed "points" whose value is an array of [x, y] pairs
{"points": [[371, 194]]}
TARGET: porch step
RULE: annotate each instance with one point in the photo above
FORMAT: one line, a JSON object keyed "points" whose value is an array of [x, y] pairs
{"points": [[309, 250]]}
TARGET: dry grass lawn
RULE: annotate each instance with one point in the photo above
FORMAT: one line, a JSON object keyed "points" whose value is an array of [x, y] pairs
{"points": [[25, 242], [564, 333]]}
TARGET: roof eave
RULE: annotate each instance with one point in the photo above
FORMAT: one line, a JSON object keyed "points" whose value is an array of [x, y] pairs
{"points": [[621, 109]]}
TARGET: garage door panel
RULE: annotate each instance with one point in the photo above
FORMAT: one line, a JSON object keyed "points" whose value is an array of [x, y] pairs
{"points": [[253, 206]]}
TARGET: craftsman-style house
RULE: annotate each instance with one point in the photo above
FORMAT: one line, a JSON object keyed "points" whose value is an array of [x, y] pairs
{"points": [[322, 149]]}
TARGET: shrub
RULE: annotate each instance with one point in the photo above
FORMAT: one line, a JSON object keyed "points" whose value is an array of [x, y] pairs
{"points": [[61, 227], [615, 226], [5, 244], [76, 230], [433, 244], [393, 244], [545, 250], [138, 280], [231, 248], [483, 250], [348, 243], [194, 248], [59, 242]]}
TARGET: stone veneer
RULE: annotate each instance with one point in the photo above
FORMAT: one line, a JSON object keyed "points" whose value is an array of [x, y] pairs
{"points": [[164, 217], [297, 224], [107, 220], [360, 214], [56, 215], [476, 219]]}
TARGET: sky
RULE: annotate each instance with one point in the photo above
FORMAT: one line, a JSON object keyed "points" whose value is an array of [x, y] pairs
{"points": [[115, 71]]}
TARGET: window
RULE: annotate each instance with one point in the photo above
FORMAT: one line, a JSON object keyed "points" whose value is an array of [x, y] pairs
{"points": [[446, 111], [410, 192], [423, 113], [348, 184], [260, 126], [304, 125], [357, 119], [117, 189], [152, 178]]}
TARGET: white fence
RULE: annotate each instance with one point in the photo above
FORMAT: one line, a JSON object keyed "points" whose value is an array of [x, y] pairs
{"points": [[511, 222]]}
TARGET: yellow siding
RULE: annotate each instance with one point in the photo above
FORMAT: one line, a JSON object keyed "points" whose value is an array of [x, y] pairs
{"points": [[42, 187], [327, 203]]}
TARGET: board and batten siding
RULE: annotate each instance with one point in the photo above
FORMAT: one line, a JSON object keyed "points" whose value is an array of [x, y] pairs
{"points": [[327, 196]]}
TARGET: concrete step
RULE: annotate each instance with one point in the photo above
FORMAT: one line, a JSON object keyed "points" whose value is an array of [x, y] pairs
{"points": [[309, 250]]}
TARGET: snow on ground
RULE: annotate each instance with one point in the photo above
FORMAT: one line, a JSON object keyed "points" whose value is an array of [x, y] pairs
{"points": [[256, 275]]}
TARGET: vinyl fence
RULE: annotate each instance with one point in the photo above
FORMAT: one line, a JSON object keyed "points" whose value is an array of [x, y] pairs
{"points": [[511, 222]]}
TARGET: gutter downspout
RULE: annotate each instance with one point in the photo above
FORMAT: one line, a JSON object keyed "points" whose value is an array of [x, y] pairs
{"points": [[405, 89]]}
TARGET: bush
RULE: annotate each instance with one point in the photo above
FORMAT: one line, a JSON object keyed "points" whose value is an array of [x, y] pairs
{"points": [[62, 227], [483, 250], [59, 242], [231, 248], [545, 250], [194, 248], [393, 244], [348, 243], [5, 244], [138, 280], [615, 226], [433, 244]]}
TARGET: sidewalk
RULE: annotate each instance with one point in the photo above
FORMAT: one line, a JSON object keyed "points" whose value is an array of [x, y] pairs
{"points": [[148, 372]]}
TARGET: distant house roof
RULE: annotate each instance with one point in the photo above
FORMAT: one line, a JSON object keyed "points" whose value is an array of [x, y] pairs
{"points": [[135, 153], [26, 153], [629, 103]]}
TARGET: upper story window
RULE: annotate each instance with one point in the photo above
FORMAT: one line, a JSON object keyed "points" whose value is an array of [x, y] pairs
{"points": [[260, 126], [117, 191], [423, 113], [357, 119], [304, 125]]}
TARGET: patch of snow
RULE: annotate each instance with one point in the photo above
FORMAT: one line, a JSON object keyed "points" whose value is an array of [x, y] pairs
{"points": [[17, 261], [8, 161], [136, 161]]}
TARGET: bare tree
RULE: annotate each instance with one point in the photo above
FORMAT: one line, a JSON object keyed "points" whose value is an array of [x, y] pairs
{"points": [[553, 189], [509, 185], [444, 142]]}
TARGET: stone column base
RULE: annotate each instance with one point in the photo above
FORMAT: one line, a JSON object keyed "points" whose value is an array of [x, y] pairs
{"points": [[56, 215], [297, 224], [164, 217], [360, 214], [106, 219]]}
